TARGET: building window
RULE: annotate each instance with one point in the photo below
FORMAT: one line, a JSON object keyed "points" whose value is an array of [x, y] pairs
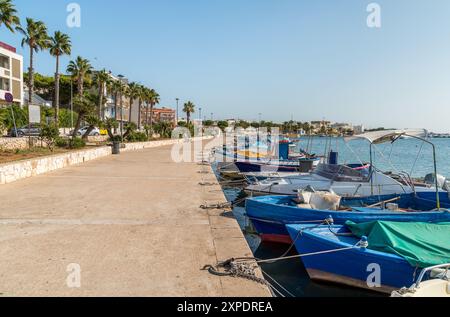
{"points": [[4, 61], [4, 84]]}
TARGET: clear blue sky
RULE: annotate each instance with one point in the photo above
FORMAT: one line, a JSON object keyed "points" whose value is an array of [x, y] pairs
{"points": [[312, 59]]}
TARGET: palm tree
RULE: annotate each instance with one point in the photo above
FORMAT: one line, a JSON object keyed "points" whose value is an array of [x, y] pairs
{"points": [[85, 106], [189, 108], [60, 45], [102, 79], [36, 37], [119, 87], [141, 97], [8, 15], [132, 92], [79, 69], [153, 99]]}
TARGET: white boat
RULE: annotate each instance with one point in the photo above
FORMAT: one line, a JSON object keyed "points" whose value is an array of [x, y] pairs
{"points": [[437, 286], [345, 181]]}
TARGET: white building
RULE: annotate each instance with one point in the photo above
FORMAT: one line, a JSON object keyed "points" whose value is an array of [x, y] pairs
{"points": [[11, 74]]}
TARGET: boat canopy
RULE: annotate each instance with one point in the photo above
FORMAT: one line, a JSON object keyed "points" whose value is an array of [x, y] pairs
{"points": [[379, 137], [421, 244]]}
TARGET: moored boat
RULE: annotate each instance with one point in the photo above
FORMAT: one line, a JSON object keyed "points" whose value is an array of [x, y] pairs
{"points": [[390, 261], [270, 214]]}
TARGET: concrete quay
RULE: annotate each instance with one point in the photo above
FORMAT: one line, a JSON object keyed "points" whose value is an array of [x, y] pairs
{"points": [[127, 225]]}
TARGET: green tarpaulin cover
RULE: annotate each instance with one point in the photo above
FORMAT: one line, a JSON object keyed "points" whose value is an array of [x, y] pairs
{"points": [[421, 244]]}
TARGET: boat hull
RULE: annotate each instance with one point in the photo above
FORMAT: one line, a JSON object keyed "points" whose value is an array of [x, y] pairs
{"points": [[270, 215], [358, 267]]}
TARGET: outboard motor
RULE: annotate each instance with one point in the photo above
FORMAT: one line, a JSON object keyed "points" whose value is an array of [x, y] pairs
{"points": [[333, 158], [430, 180]]}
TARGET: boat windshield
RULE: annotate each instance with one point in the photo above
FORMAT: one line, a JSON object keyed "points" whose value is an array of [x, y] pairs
{"points": [[343, 173]]}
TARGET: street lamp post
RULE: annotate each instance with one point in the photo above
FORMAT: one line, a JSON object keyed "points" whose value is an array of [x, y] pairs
{"points": [[177, 99]]}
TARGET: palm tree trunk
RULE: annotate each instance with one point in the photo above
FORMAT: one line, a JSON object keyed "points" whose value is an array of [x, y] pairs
{"points": [[57, 92], [100, 100], [188, 116], [131, 109], [30, 77], [116, 96], [77, 125], [81, 85], [146, 114], [151, 117], [139, 113]]}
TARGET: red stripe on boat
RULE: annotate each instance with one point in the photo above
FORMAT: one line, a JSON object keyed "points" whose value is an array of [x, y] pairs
{"points": [[276, 238]]}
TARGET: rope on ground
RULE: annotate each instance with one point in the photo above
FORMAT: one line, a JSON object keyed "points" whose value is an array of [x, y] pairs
{"points": [[242, 267], [223, 205], [233, 268]]}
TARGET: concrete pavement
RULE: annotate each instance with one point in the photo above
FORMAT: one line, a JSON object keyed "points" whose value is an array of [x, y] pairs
{"points": [[132, 223]]}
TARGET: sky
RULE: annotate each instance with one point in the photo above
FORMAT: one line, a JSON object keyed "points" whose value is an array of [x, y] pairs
{"points": [[301, 59]]}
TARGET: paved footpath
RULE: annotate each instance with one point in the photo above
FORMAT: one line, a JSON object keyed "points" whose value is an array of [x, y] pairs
{"points": [[131, 222]]}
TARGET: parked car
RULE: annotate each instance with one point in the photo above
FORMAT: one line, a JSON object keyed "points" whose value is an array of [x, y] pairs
{"points": [[94, 132], [32, 130]]}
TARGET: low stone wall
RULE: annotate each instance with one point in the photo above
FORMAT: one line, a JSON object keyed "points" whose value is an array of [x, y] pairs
{"points": [[11, 172], [12, 144]]}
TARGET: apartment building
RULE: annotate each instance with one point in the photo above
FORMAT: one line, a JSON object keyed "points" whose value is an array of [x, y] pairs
{"points": [[159, 115], [11, 74]]}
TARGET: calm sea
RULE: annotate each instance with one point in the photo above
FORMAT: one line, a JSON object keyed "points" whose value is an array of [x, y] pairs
{"points": [[406, 155]]}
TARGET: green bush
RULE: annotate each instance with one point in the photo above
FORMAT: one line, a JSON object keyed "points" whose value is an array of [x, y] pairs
{"points": [[137, 137], [49, 134], [62, 142], [6, 117], [77, 143]]}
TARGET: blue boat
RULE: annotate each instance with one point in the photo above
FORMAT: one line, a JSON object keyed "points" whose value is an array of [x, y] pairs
{"points": [[337, 260], [270, 214]]}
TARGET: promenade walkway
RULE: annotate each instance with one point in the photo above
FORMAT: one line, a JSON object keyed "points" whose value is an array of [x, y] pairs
{"points": [[131, 222]]}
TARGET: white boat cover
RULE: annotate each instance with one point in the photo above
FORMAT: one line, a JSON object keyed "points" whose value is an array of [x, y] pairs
{"points": [[378, 137]]}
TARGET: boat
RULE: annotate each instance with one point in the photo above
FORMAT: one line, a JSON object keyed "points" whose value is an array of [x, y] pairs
{"points": [[270, 214], [344, 180], [349, 179], [437, 286], [386, 259], [264, 159]]}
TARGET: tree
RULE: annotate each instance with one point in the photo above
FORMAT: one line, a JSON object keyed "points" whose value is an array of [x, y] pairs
{"points": [[92, 121], [189, 108], [164, 129], [60, 44], [141, 97], [8, 15], [102, 80], [85, 106], [79, 69], [153, 99], [222, 125], [132, 92], [36, 38], [49, 134]]}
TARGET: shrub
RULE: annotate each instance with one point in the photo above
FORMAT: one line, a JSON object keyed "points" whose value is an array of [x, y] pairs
{"points": [[77, 143], [62, 142], [49, 134], [137, 137]]}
